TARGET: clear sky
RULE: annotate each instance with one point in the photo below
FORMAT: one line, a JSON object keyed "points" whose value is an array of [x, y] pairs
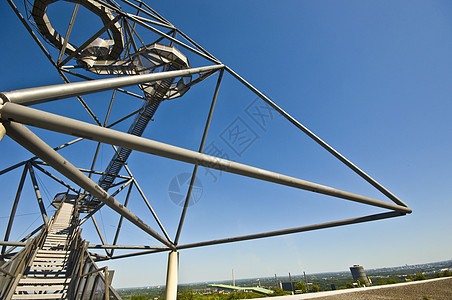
{"points": [[371, 78]]}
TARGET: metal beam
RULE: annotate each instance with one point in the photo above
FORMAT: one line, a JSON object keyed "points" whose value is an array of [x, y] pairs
{"points": [[2, 131], [134, 254], [156, 218], [17, 244], [12, 167], [172, 276], [34, 144], [30, 116], [54, 177], [319, 141], [140, 9], [42, 208], [294, 230], [68, 33], [14, 208], [100, 234], [61, 91], [118, 228], [90, 40], [23, 240], [126, 247], [200, 150], [332, 224]]}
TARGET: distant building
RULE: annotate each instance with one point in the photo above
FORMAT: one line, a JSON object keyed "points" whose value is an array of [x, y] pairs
{"points": [[287, 286], [358, 273]]}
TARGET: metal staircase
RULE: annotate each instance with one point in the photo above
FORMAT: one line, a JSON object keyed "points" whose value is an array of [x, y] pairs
{"points": [[157, 94], [56, 264], [47, 275]]}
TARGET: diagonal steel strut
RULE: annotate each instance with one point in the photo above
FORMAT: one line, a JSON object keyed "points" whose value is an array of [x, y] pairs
{"points": [[34, 144]]}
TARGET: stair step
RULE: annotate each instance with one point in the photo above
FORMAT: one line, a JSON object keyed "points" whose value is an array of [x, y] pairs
{"points": [[41, 268], [36, 263], [48, 276], [52, 252], [50, 257], [55, 255], [44, 281], [39, 288], [40, 296]]}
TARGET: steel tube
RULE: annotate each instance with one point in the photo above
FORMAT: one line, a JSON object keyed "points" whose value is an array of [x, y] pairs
{"points": [[12, 167], [16, 202], [42, 208], [118, 228], [30, 116], [129, 247], [2, 131], [91, 39], [24, 239], [34, 144], [54, 92], [17, 244], [200, 150], [99, 234], [172, 276], [293, 230], [319, 141], [68, 33], [154, 12], [133, 254], [54, 177]]}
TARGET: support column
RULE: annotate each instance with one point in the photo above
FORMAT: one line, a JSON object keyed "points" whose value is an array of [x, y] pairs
{"points": [[171, 275], [2, 128], [2, 131]]}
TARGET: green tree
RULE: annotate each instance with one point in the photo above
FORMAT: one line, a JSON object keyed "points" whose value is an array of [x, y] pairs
{"points": [[391, 281], [186, 295], [419, 276], [279, 292], [301, 286], [315, 288], [447, 273], [349, 285], [361, 282], [139, 298]]}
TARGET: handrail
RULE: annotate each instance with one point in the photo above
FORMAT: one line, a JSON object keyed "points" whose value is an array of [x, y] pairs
{"points": [[19, 263], [106, 280]]}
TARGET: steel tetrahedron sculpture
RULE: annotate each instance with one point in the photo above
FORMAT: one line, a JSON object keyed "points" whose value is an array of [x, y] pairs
{"points": [[133, 55]]}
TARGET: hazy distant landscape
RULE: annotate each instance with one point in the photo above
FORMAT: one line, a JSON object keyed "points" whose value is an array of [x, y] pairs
{"points": [[324, 282]]}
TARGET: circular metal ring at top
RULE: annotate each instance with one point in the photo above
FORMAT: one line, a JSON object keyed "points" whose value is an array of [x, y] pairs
{"points": [[45, 27]]}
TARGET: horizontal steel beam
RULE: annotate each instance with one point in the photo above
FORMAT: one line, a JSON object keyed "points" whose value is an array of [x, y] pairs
{"points": [[54, 92], [45, 120], [130, 247], [35, 145], [8, 243], [132, 254], [293, 230], [269, 234]]}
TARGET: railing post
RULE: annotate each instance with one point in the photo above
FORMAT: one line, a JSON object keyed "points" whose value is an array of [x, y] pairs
{"points": [[171, 276], [107, 284]]}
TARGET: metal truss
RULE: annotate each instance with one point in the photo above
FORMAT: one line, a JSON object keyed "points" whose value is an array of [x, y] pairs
{"points": [[136, 47]]}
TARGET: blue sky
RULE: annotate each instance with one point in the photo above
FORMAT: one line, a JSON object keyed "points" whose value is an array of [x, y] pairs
{"points": [[371, 78]]}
